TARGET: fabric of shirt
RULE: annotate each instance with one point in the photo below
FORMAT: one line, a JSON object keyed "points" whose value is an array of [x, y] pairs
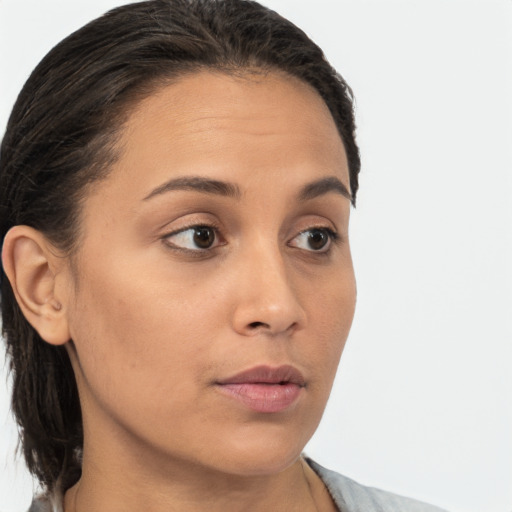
{"points": [[348, 495]]}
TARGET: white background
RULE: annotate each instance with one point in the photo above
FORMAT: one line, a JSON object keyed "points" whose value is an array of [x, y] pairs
{"points": [[423, 400]]}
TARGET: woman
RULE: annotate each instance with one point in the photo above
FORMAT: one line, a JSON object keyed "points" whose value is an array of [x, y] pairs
{"points": [[176, 183]]}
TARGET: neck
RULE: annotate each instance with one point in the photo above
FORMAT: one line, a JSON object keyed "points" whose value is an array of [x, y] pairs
{"points": [[120, 473], [289, 491]]}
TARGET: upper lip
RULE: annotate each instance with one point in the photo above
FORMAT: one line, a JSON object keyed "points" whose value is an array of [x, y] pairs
{"points": [[267, 375]]}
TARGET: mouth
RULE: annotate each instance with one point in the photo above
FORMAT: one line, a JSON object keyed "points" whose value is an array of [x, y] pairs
{"points": [[265, 389]]}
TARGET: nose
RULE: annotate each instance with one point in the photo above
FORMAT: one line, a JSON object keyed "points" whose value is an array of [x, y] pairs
{"points": [[266, 301]]}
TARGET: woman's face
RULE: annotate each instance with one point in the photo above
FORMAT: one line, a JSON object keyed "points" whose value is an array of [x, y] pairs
{"points": [[213, 288]]}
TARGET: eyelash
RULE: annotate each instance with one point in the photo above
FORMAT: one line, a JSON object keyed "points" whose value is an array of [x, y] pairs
{"points": [[193, 252], [334, 238]]}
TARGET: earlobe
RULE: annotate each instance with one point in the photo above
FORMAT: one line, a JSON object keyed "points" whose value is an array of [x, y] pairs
{"points": [[30, 267]]}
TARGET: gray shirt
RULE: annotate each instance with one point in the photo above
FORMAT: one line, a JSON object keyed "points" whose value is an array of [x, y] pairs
{"points": [[348, 495]]}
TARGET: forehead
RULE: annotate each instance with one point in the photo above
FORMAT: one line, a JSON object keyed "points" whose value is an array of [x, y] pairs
{"points": [[233, 127], [247, 97]]}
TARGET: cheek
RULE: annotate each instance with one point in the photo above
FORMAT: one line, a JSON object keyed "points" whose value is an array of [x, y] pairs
{"points": [[331, 311], [134, 332]]}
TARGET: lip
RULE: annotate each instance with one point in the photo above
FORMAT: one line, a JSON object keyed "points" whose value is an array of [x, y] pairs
{"points": [[265, 389]]}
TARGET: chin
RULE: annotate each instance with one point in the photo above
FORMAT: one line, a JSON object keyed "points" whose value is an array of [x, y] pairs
{"points": [[261, 453], [262, 464]]}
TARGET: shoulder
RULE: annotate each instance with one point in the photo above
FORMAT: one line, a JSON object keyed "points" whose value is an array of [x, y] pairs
{"points": [[351, 496]]}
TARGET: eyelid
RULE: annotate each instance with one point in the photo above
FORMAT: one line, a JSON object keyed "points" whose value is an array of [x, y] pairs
{"points": [[334, 238], [219, 241], [197, 221]]}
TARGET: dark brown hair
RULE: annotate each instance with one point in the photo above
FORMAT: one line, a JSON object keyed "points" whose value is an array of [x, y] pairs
{"points": [[61, 137]]}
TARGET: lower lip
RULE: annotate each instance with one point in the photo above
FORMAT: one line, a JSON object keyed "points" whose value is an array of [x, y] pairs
{"points": [[264, 397]]}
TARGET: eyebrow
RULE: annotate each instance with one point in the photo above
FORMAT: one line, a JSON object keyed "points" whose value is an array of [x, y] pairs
{"points": [[223, 188], [324, 186], [198, 184]]}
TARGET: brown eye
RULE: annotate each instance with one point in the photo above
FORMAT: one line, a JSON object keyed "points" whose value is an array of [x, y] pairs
{"points": [[204, 237], [318, 239], [195, 238], [314, 240]]}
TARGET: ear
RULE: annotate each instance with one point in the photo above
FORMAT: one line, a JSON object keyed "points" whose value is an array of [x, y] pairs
{"points": [[31, 268]]}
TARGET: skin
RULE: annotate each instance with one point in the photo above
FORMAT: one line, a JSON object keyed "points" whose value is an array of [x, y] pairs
{"points": [[157, 322]]}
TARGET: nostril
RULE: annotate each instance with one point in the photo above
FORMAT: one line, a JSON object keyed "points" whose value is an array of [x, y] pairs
{"points": [[256, 325]]}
